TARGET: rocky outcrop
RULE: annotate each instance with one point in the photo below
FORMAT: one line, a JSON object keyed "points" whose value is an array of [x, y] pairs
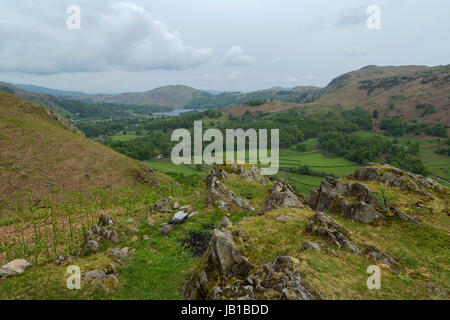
{"points": [[325, 227], [250, 173], [395, 177], [221, 262], [353, 201], [282, 195], [224, 223], [226, 257], [14, 267], [102, 231], [375, 254], [403, 216], [222, 197], [277, 280]]}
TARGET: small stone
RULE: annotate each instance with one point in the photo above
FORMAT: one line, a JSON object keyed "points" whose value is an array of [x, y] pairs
{"points": [[151, 222], [91, 246], [96, 275], [114, 237], [179, 217], [62, 260], [17, 265], [134, 238], [145, 237], [186, 208], [125, 251], [117, 254], [216, 292], [4, 273], [168, 228], [284, 219], [176, 205], [131, 220], [193, 214]]}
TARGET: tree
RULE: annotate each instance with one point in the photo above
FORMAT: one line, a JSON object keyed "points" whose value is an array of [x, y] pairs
{"points": [[375, 114], [414, 148]]}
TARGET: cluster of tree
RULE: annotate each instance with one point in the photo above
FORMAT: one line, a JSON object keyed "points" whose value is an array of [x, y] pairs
{"points": [[255, 103], [306, 170], [204, 100], [364, 150], [427, 109], [443, 151], [398, 128]]}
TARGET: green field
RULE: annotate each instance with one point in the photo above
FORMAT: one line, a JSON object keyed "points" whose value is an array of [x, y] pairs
{"points": [[328, 164]]}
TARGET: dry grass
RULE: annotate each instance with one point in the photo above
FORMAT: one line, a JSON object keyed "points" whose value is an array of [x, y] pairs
{"points": [[39, 156]]}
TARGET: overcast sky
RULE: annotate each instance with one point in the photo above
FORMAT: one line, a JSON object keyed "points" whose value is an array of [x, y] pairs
{"points": [[243, 45]]}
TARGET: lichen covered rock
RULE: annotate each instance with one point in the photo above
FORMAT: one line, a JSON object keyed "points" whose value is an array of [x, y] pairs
{"points": [[222, 197], [325, 227], [282, 195], [277, 280], [333, 195]]}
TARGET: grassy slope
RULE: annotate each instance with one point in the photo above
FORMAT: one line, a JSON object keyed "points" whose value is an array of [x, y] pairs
{"points": [[39, 155], [159, 267]]}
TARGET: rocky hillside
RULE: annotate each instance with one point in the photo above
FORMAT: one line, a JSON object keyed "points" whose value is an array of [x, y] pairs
{"points": [[42, 153], [238, 235], [416, 93], [407, 92], [319, 247]]}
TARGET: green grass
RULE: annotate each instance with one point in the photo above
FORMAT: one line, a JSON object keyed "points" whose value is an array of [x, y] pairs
{"points": [[166, 166], [302, 183]]}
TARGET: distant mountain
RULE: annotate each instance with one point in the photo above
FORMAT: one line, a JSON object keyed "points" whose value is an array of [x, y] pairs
{"points": [[53, 92], [173, 96], [407, 92], [415, 93]]}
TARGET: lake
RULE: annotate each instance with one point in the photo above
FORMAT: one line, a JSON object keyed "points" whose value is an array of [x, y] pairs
{"points": [[173, 113]]}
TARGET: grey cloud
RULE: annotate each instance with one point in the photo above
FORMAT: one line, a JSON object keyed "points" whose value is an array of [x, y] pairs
{"points": [[236, 57], [123, 36]]}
